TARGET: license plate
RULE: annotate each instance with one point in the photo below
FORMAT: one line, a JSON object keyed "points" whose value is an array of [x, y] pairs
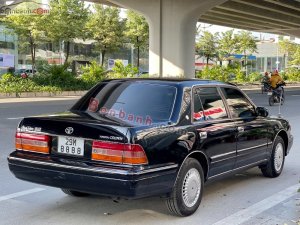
{"points": [[70, 146], [269, 93]]}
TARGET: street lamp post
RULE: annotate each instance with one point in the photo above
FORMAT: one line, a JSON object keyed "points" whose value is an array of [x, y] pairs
{"points": [[277, 59]]}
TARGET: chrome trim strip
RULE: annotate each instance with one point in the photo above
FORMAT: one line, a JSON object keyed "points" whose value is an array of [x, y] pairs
{"points": [[221, 160], [98, 170], [250, 148], [231, 171], [221, 155]]}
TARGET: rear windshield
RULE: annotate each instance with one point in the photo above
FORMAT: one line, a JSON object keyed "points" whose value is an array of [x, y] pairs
{"points": [[135, 103]]}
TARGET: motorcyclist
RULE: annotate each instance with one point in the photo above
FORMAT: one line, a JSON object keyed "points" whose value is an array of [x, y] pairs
{"points": [[275, 79], [265, 81], [266, 78]]}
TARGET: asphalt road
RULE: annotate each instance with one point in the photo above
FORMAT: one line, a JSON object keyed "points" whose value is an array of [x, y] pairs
{"points": [[246, 198]]}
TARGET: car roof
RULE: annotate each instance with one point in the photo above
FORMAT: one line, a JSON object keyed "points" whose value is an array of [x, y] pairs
{"points": [[171, 81]]}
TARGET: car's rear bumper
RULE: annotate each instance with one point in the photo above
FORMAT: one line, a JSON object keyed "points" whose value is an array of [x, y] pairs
{"points": [[106, 181]]}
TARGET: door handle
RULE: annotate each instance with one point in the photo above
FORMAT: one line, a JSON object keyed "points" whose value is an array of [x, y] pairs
{"points": [[240, 129], [203, 135]]}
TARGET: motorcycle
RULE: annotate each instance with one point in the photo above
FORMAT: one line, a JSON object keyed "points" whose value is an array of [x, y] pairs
{"points": [[265, 87], [277, 94]]}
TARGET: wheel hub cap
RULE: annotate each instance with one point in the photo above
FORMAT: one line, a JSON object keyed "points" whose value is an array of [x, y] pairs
{"points": [[191, 187], [278, 157]]}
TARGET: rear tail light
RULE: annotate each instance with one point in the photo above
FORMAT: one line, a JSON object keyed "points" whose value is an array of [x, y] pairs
{"points": [[33, 142], [119, 153]]}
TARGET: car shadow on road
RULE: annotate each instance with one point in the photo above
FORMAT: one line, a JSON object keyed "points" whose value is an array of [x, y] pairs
{"points": [[219, 195]]}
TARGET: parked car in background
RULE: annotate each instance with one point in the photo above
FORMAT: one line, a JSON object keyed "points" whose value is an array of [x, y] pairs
{"points": [[24, 72], [135, 138]]}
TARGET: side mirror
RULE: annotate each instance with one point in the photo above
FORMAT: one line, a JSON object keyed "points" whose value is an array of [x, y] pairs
{"points": [[262, 111]]}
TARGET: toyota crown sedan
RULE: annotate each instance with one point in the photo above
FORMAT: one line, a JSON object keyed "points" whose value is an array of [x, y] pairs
{"points": [[134, 138]]}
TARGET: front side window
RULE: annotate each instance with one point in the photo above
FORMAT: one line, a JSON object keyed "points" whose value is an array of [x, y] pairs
{"points": [[208, 104], [238, 104]]}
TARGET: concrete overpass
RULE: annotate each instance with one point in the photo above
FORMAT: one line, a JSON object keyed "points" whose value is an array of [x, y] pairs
{"points": [[172, 25]]}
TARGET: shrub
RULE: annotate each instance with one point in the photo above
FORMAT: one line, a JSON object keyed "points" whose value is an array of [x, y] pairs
{"points": [[253, 77], [92, 73], [121, 71], [292, 74], [240, 76], [57, 76], [215, 73], [54, 78], [221, 73], [13, 84]]}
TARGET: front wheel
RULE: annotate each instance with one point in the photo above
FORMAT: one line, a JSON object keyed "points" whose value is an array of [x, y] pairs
{"points": [[274, 166], [271, 100], [187, 192]]}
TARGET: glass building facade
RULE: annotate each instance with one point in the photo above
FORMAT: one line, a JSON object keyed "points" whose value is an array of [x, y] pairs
{"points": [[8, 50]]}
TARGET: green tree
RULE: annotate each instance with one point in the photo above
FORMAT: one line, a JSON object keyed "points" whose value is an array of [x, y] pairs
{"points": [[106, 28], [246, 44], [137, 30], [29, 29], [227, 45], [207, 45], [288, 48], [66, 22], [296, 56]]}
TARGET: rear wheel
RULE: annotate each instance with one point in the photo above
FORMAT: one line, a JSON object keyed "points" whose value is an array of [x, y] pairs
{"points": [[275, 164], [187, 193], [271, 100], [74, 193]]}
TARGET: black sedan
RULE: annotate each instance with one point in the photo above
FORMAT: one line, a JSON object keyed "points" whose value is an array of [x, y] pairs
{"points": [[134, 138]]}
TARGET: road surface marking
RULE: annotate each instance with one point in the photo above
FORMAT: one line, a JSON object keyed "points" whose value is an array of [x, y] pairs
{"points": [[21, 193], [250, 212], [15, 118]]}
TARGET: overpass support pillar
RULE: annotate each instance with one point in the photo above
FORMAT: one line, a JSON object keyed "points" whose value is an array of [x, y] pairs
{"points": [[172, 25]]}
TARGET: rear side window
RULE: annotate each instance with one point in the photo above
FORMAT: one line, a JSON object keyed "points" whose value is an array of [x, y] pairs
{"points": [[208, 104], [239, 105], [133, 102]]}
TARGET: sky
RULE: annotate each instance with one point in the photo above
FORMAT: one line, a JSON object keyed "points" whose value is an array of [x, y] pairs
{"points": [[259, 35]]}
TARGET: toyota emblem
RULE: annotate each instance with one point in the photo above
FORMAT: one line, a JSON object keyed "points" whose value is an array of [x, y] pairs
{"points": [[69, 130]]}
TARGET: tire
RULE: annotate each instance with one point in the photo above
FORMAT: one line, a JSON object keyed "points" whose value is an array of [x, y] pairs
{"points": [[187, 192], [282, 100], [274, 166], [74, 193], [262, 89], [271, 100]]}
